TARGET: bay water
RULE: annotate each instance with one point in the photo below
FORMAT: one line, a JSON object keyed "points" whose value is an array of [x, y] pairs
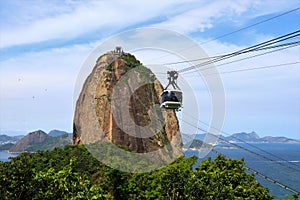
{"points": [[280, 162]]}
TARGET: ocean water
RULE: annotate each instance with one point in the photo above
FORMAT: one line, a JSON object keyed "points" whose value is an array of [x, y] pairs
{"points": [[280, 162], [4, 156]]}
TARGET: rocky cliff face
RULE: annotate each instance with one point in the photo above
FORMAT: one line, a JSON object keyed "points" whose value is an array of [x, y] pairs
{"points": [[119, 103]]}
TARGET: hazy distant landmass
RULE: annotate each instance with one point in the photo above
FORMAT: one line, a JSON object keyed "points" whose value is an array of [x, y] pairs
{"points": [[4, 139], [253, 137], [6, 147], [57, 133], [36, 140], [242, 137], [197, 144], [39, 140]]}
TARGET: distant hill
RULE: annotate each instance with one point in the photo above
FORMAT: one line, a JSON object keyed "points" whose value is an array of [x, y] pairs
{"points": [[29, 140], [7, 146], [51, 143], [254, 138], [39, 140], [279, 140], [194, 141], [56, 133], [251, 137], [189, 137], [196, 144], [9, 139]]}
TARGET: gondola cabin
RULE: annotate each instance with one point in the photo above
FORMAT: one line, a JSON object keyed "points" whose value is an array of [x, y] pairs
{"points": [[171, 99]]}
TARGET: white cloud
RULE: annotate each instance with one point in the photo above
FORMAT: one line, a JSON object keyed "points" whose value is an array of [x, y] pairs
{"points": [[26, 23], [29, 74], [252, 95], [85, 17], [207, 13], [192, 20]]}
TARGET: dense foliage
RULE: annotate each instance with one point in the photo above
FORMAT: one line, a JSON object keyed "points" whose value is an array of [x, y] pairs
{"points": [[72, 173], [131, 60]]}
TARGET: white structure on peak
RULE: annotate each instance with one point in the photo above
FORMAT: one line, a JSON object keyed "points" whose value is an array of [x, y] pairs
{"points": [[118, 51]]}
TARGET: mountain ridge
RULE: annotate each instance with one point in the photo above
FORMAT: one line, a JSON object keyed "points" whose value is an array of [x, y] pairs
{"points": [[7, 142], [39, 140], [253, 137], [241, 137], [9, 139]]}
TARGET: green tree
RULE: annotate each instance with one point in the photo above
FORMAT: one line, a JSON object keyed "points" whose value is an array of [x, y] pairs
{"points": [[225, 179], [174, 179], [66, 184], [112, 181], [219, 179], [18, 176], [290, 197], [170, 182], [73, 173]]}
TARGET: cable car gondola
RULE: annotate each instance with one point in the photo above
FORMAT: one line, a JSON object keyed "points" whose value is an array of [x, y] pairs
{"points": [[171, 98]]}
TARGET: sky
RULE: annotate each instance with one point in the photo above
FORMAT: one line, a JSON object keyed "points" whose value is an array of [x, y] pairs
{"points": [[44, 44]]}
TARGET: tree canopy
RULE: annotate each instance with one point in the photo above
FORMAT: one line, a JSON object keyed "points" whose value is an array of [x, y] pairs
{"points": [[73, 173]]}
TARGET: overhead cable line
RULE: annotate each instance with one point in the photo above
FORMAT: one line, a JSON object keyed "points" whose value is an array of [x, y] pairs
{"points": [[240, 140], [254, 171], [284, 46], [246, 58], [265, 177], [244, 28], [260, 46], [252, 68], [224, 55], [255, 24], [214, 150], [241, 147]]}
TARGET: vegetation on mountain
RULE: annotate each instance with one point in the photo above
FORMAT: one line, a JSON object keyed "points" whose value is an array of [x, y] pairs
{"points": [[51, 143], [32, 138], [254, 137], [73, 173], [9, 139], [197, 144], [131, 60], [5, 147], [57, 133], [39, 140]]}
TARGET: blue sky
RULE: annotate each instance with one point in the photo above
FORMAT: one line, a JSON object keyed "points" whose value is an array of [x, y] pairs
{"points": [[43, 45]]}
